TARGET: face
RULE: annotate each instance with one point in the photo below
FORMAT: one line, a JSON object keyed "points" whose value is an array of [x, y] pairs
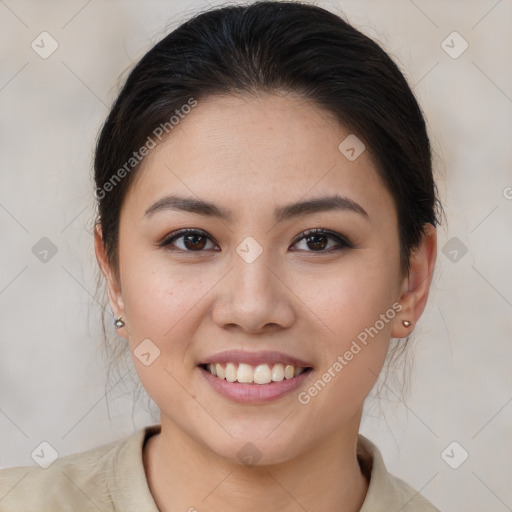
{"points": [[251, 284]]}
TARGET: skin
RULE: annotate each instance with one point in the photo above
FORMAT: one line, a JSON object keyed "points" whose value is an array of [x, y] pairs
{"points": [[251, 155]]}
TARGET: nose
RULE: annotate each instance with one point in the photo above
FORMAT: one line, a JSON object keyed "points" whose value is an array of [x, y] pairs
{"points": [[253, 297]]}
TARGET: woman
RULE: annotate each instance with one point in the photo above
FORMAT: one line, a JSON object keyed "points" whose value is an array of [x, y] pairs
{"points": [[266, 225]]}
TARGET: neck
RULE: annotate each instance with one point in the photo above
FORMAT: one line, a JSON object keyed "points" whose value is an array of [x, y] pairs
{"points": [[184, 475]]}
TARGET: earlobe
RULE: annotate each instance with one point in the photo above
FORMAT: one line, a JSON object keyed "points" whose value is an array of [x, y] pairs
{"points": [[416, 285], [113, 288]]}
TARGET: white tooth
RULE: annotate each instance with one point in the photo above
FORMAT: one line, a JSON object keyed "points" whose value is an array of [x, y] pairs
{"points": [[298, 371], [221, 373], [288, 371], [278, 372], [213, 369], [262, 374], [230, 372], [244, 373]]}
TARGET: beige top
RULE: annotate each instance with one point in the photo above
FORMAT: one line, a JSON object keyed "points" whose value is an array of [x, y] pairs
{"points": [[112, 478]]}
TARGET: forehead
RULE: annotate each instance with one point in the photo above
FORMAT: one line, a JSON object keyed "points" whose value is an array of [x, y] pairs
{"points": [[249, 149]]}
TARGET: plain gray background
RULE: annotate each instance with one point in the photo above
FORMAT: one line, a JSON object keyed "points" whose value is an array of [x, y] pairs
{"points": [[52, 365]]}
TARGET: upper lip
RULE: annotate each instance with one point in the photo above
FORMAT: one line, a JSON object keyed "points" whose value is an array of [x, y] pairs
{"points": [[254, 358]]}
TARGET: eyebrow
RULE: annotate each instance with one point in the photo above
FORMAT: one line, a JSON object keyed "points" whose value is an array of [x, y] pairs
{"points": [[281, 214]]}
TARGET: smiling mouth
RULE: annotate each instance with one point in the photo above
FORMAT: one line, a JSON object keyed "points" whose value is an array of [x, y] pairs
{"points": [[259, 374]]}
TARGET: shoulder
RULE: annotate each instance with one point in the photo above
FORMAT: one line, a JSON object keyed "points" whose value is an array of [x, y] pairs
{"points": [[386, 491], [82, 481], [78, 481]]}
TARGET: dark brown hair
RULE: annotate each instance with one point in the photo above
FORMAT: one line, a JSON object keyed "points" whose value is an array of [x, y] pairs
{"points": [[270, 47]]}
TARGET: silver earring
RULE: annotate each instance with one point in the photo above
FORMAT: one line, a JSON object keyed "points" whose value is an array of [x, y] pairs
{"points": [[119, 322], [406, 323]]}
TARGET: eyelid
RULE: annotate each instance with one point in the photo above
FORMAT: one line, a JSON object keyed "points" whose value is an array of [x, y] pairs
{"points": [[343, 241], [181, 232]]}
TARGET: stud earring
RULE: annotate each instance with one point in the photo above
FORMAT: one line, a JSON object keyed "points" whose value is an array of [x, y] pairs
{"points": [[406, 323], [119, 322]]}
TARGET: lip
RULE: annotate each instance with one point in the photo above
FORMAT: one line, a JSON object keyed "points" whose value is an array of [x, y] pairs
{"points": [[253, 393], [254, 358]]}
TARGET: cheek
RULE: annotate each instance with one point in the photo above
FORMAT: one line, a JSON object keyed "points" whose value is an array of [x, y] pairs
{"points": [[352, 295], [162, 305], [355, 305], [353, 353], [162, 302]]}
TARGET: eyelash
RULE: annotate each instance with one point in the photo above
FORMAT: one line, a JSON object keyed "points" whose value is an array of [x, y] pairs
{"points": [[342, 241]]}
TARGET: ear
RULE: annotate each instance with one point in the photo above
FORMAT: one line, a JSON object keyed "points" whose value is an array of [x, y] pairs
{"points": [[113, 286], [416, 284]]}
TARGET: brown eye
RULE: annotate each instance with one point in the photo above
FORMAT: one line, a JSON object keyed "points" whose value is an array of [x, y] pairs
{"points": [[192, 240], [317, 240]]}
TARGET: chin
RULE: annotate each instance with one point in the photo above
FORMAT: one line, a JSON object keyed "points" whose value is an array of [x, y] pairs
{"points": [[254, 449]]}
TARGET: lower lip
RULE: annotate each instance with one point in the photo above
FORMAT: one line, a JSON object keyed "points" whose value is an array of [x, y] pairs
{"points": [[252, 393]]}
